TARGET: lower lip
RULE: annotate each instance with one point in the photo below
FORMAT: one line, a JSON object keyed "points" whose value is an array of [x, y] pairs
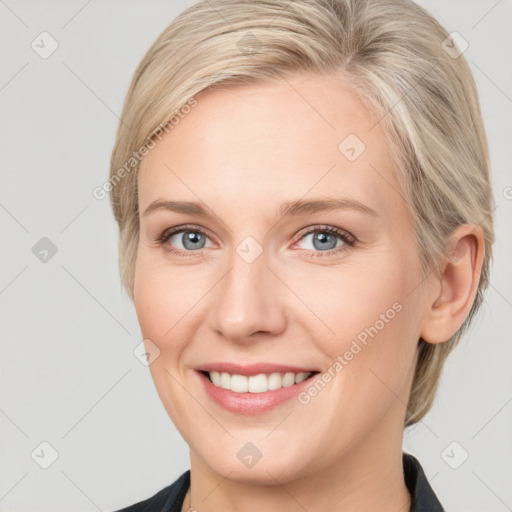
{"points": [[252, 403]]}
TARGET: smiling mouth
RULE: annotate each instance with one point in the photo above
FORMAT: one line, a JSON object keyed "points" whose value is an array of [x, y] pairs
{"points": [[259, 383]]}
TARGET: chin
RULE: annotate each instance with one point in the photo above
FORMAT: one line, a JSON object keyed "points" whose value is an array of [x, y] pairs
{"points": [[280, 468]]}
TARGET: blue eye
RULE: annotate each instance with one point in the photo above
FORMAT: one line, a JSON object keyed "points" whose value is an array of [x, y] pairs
{"points": [[325, 241], [191, 238]]}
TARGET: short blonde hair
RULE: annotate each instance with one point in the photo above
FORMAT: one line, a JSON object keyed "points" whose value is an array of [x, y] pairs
{"points": [[392, 53]]}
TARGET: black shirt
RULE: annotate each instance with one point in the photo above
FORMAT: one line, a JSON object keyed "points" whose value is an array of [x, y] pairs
{"points": [[423, 498]]}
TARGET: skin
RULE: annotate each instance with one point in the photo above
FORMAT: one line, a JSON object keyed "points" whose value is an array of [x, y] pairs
{"points": [[241, 152]]}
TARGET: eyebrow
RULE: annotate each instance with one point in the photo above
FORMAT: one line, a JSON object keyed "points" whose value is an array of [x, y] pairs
{"points": [[293, 208]]}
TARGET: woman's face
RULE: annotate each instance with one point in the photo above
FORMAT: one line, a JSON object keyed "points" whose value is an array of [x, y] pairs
{"points": [[260, 271]]}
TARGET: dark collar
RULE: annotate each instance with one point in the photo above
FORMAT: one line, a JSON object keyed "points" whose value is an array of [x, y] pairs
{"points": [[423, 498]]}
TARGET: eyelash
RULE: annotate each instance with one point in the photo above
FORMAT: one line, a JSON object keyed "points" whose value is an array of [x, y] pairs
{"points": [[348, 240]]}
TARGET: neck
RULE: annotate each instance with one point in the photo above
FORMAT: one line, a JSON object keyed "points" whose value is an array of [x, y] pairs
{"points": [[369, 476]]}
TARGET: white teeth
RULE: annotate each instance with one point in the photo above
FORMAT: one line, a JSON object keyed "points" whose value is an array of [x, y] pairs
{"points": [[274, 381], [216, 378], [225, 380], [239, 383], [256, 383], [301, 376], [288, 379]]}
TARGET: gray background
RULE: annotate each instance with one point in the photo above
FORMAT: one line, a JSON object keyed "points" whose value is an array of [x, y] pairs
{"points": [[68, 374]]}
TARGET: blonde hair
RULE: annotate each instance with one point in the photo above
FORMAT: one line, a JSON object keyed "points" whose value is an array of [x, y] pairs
{"points": [[392, 53]]}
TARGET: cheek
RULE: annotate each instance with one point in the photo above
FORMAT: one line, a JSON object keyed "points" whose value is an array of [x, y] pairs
{"points": [[369, 322], [370, 356], [353, 297], [163, 296], [163, 305], [152, 298]]}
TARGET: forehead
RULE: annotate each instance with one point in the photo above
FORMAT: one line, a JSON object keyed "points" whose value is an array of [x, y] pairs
{"points": [[280, 140]]}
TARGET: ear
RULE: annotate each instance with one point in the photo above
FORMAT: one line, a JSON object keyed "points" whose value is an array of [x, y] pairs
{"points": [[455, 285]]}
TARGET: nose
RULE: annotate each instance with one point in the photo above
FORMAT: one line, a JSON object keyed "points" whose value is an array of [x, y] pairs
{"points": [[249, 301]]}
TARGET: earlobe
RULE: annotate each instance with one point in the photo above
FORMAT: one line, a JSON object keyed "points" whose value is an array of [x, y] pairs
{"points": [[457, 284]]}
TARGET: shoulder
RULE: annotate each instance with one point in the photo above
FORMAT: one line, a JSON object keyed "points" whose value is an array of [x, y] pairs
{"points": [[423, 498], [169, 499]]}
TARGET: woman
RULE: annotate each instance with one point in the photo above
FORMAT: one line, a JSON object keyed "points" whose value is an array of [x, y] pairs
{"points": [[302, 191]]}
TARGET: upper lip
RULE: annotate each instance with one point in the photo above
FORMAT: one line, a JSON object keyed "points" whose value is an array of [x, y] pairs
{"points": [[251, 369]]}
